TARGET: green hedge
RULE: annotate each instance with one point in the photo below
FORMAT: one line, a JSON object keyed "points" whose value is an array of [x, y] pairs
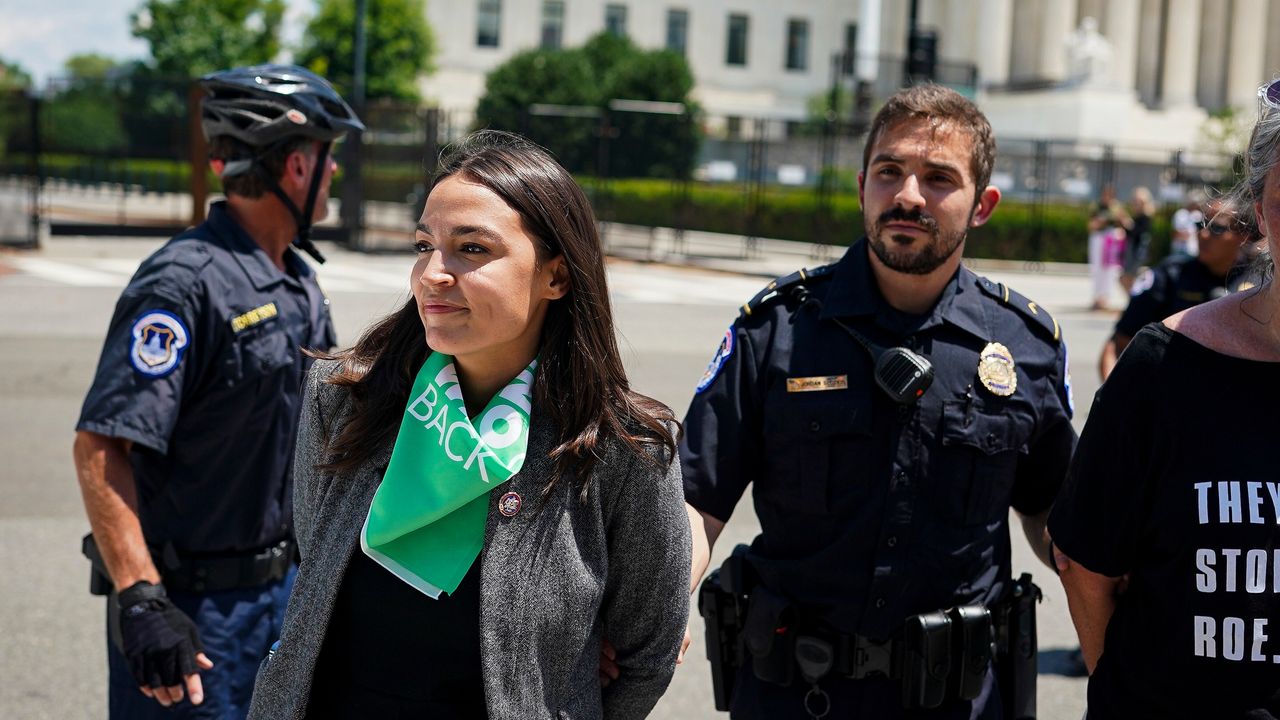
{"points": [[792, 214]]}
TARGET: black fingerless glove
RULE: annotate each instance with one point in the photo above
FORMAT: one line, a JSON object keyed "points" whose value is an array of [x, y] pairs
{"points": [[160, 641]]}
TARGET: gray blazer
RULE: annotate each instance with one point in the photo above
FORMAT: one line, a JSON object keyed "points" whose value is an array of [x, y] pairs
{"points": [[554, 579]]}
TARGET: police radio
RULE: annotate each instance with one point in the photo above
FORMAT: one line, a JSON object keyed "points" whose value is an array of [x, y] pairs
{"points": [[902, 374]]}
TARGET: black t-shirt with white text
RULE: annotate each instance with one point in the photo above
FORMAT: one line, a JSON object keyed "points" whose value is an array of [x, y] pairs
{"points": [[1176, 482]]}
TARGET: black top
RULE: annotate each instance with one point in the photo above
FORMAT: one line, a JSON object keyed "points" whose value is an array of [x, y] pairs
{"points": [[1172, 286], [392, 652], [871, 512], [1177, 489], [202, 370], [1137, 241]]}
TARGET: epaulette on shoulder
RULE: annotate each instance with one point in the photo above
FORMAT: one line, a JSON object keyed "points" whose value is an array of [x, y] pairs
{"points": [[186, 250], [778, 288], [1029, 309]]}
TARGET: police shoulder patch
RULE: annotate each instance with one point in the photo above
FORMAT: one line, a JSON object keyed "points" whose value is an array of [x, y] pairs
{"points": [[157, 341], [717, 361], [778, 288], [1038, 316], [1143, 282]]}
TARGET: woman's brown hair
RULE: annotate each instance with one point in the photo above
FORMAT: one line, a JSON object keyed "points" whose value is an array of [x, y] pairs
{"points": [[580, 385]]}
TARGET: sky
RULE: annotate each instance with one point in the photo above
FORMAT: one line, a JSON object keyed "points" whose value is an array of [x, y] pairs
{"points": [[41, 34]]}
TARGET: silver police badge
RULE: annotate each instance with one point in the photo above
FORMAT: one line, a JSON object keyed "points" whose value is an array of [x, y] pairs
{"points": [[996, 370]]}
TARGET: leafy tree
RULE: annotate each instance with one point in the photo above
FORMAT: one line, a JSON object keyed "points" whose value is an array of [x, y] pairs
{"points": [[398, 40], [13, 77], [189, 38], [548, 77], [606, 68], [83, 113], [13, 105]]}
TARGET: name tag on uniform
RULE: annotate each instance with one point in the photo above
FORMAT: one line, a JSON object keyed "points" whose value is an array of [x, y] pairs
{"points": [[254, 316], [813, 384]]}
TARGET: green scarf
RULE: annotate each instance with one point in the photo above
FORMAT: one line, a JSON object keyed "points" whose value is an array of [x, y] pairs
{"points": [[426, 523]]}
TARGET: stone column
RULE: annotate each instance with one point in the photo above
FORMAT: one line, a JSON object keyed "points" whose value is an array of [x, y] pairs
{"points": [[1058, 20], [1147, 79], [1120, 26], [1246, 68], [1211, 72], [996, 41], [1181, 54]]}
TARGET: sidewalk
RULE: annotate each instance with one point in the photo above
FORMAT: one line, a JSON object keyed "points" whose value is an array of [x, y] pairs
{"points": [[764, 257]]}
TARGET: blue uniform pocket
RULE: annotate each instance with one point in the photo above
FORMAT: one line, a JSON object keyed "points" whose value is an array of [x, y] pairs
{"points": [[977, 463], [806, 443]]}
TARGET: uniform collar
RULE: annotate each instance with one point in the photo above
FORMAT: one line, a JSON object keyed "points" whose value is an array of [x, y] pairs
{"points": [[252, 258], [854, 292]]}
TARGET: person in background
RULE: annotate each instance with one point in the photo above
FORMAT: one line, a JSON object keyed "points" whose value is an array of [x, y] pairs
{"points": [[1181, 281], [1106, 247], [1185, 225], [1137, 236], [184, 446], [481, 498]]}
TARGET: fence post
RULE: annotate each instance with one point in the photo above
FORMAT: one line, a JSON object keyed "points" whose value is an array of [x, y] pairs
{"points": [[1042, 186], [199, 179], [35, 168]]}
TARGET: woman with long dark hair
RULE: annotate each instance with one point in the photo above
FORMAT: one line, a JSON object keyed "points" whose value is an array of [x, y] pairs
{"points": [[480, 497]]}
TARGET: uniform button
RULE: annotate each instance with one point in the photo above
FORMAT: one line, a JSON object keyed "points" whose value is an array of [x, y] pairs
{"points": [[326, 301], [991, 439], [892, 541], [879, 602], [815, 426]]}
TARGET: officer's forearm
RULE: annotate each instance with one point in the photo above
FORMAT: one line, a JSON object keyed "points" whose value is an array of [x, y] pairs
{"points": [[1111, 353], [704, 529], [1035, 527], [1091, 599], [110, 501]]}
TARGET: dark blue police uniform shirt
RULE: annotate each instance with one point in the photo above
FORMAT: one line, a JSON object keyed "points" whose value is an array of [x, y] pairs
{"points": [[202, 370], [871, 512], [1178, 283]]}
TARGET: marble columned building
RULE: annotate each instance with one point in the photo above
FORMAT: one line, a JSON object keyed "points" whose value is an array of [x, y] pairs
{"points": [[1141, 74]]}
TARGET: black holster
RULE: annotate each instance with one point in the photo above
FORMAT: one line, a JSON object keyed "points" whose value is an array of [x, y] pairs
{"points": [[1017, 649], [722, 604]]}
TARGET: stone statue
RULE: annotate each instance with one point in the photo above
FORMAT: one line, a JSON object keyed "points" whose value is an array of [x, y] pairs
{"points": [[1088, 56]]}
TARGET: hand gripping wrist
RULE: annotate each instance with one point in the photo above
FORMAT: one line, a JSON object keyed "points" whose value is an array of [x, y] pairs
{"points": [[159, 641]]}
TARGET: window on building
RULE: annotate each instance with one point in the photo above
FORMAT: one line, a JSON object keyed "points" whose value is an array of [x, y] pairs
{"points": [[677, 30], [615, 20], [850, 48], [736, 44], [488, 23], [797, 44], [552, 24]]}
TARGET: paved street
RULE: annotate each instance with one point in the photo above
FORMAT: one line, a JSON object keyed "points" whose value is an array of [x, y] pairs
{"points": [[54, 307]]}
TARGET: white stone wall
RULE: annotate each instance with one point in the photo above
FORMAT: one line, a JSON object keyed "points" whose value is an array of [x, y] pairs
{"points": [[1172, 60]]}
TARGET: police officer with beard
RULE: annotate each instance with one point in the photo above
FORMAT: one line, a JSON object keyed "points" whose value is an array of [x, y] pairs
{"points": [[887, 411]]}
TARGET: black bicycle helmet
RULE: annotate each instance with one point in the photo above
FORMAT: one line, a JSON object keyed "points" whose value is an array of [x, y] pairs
{"points": [[264, 104]]}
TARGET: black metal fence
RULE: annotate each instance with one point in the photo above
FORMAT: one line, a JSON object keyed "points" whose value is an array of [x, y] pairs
{"points": [[116, 155]]}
